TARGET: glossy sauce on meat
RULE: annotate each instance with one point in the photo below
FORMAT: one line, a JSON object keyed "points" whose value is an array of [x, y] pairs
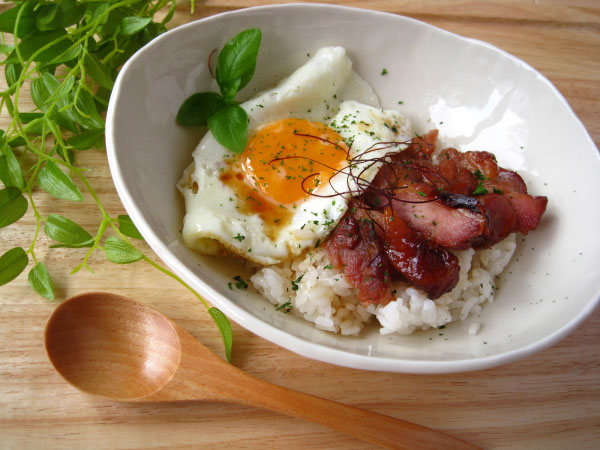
{"points": [[355, 248], [420, 205]]}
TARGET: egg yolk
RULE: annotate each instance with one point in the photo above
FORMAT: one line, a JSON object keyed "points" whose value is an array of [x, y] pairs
{"points": [[289, 159]]}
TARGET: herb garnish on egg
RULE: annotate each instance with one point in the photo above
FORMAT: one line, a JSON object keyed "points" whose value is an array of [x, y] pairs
{"points": [[314, 140], [227, 121]]}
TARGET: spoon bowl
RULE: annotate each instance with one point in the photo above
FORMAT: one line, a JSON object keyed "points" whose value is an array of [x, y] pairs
{"points": [[109, 345], [85, 336]]}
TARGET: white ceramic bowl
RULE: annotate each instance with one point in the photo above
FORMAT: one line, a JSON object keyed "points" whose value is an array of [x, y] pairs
{"points": [[477, 95]]}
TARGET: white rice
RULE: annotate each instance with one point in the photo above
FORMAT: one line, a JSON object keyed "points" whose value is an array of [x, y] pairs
{"points": [[320, 294]]}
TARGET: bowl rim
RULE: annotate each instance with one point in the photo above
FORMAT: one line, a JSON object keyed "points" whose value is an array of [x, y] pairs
{"points": [[312, 350]]}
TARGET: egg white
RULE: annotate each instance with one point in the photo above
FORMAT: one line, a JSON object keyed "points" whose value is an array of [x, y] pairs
{"points": [[325, 90]]}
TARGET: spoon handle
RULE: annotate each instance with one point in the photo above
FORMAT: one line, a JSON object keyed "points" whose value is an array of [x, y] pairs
{"points": [[202, 375], [366, 425]]}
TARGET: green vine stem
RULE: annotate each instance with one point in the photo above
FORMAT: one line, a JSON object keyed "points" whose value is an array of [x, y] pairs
{"points": [[68, 105]]}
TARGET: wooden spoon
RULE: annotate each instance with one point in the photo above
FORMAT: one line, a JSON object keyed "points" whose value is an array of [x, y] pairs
{"points": [[111, 346]]}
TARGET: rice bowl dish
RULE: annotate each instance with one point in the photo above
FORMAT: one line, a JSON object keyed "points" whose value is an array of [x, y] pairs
{"points": [[319, 142], [512, 111]]}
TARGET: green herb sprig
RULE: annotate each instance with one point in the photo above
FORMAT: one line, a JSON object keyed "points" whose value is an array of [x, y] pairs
{"points": [[227, 121], [480, 189], [68, 52]]}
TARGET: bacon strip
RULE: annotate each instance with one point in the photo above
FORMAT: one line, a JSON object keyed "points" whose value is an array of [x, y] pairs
{"points": [[355, 249], [447, 200], [424, 265], [373, 248], [417, 208]]}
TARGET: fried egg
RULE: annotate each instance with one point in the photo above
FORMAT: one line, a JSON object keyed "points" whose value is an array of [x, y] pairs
{"points": [[314, 140]]}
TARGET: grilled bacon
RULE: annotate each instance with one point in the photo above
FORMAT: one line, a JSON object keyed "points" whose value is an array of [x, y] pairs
{"points": [[420, 205], [374, 248]]}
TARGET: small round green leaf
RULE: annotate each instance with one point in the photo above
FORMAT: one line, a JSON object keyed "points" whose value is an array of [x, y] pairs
{"points": [[134, 24], [57, 183], [120, 252], [72, 12], [6, 48], [229, 125], [67, 232], [60, 48], [86, 113], [4, 174], [26, 25], [12, 205], [12, 174], [93, 11], [97, 71], [225, 328], [12, 263], [49, 17], [86, 139], [46, 90], [127, 227], [12, 72], [39, 280]]}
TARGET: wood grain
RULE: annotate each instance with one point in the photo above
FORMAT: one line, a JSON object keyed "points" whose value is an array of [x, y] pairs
{"points": [[550, 400], [111, 346]]}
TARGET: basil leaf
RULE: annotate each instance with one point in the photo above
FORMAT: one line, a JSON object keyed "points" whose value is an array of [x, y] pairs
{"points": [[13, 205], [229, 125], [133, 25], [86, 140], [237, 62], [120, 252], [230, 90], [39, 280], [15, 176], [12, 263], [26, 24], [225, 328], [94, 69], [198, 107], [57, 183], [127, 227], [66, 231]]}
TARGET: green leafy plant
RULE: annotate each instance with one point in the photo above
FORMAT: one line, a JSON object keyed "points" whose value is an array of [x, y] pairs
{"points": [[227, 121], [69, 53]]}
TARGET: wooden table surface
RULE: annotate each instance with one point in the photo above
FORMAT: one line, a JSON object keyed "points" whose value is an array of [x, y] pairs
{"points": [[549, 400]]}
